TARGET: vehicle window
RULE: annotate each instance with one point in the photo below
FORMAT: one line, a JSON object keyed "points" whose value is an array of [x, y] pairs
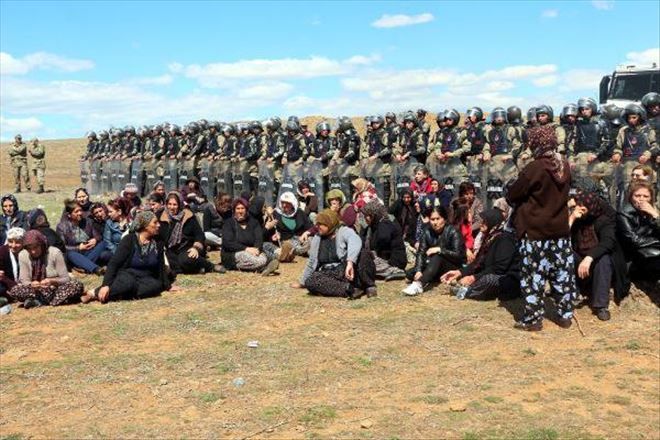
{"points": [[631, 87]]}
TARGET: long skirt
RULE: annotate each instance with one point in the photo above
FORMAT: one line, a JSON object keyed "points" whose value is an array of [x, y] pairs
{"points": [[65, 293]]}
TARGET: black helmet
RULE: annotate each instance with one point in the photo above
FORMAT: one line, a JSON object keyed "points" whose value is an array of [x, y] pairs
{"points": [[157, 128], [268, 124], [228, 129], [390, 115], [143, 131], [454, 115], [376, 120], [476, 112], [344, 123], [202, 124], [277, 122], [129, 129], [650, 99], [610, 111], [214, 124], [294, 118], [293, 124], [498, 112], [568, 110], [440, 116], [633, 109], [103, 134], [90, 134], [256, 126], [421, 112], [174, 129], [321, 126], [587, 103], [545, 109], [514, 114], [410, 117], [531, 114]]}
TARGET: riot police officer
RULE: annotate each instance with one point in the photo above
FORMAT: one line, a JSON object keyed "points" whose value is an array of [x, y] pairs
{"points": [[376, 155]]}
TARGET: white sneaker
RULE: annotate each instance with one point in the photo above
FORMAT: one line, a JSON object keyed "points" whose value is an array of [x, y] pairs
{"points": [[415, 288]]}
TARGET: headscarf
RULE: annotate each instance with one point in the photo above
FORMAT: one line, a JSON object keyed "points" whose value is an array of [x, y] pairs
{"points": [[427, 203], [330, 219], [141, 220], [14, 201], [288, 197], [245, 204], [375, 210], [585, 232], [335, 194], [176, 233], [37, 219], [360, 185], [543, 143], [36, 238], [494, 219]]}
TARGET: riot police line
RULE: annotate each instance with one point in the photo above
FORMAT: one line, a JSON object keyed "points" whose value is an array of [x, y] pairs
{"points": [[270, 157]]}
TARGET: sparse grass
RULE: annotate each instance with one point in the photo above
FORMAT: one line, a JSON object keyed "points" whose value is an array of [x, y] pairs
{"points": [[318, 416], [493, 399], [209, 397], [633, 345], [620, 400]]}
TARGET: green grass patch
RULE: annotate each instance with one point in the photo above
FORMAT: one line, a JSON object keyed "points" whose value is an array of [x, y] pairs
{"points": [[209, 397], [318, 415], [493, 399]]}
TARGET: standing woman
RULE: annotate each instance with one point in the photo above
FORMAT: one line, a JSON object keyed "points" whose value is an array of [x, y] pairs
{"points": [[183, 238], [116, 224], [137, 269], [43, 279], [540, 198]]}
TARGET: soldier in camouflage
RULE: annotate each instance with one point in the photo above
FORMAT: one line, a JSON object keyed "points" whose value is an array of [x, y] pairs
{"points": [[498, 154], [376, 155], [19, 163], [424, 126], [567, 122], [445, 155], [38, 153]]}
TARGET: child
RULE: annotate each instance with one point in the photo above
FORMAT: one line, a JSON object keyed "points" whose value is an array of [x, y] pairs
{"points": [[421, 185]]}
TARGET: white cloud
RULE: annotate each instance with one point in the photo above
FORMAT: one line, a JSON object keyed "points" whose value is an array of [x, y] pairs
{"points": [[9, 65], [161, 80], [550, 13], [269, 91], [545, 81], [647, 56], [28, 127], [398, 20], [581, 79], [603, 5]]}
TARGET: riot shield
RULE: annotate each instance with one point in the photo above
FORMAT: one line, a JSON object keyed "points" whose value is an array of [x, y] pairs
{"points": [[477, 173], [150, 175], [106, 176], [372, 170], [266, 186], [84, 175], [95, 177], [136, 174], [451, 173], [223, 177], [240, 177], [186, 170], [291, 175], [123, 173], [313, 174], [171, 174], [339, 177], [499, 172], [403, 174], [115, 171], [205, 178]]}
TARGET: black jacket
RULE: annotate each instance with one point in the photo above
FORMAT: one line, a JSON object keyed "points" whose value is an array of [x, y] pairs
{"points": [[236, 239], [192, 232], [121, 260], [450, 242], [387, 241], [302, 225], [639, 234], [502, 258], [409, 225]]}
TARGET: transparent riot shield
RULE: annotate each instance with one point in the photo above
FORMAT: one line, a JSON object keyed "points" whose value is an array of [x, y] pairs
{"points": [[205, 178], [291, 175], [403, 174], [186, 170], [313, 174], [84, 175], [95, 177], [123, 173], [150, 176], [372, 170], [115, 171], [171, 174], [266, 188], [106, 176], [223, 177], [137, 171], [339, 177], [240, 177], [500, 170], [451, 173], [477, 173]]}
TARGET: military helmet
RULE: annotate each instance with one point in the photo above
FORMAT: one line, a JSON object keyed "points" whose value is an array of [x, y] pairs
{"points": [[268, 124], [410, 117], [650, 99], [390, 115], [202, 124], [294, 118], [421, 112], [142, 131], [90, 134], [633, 109], [277, 122], [344, 123], [531, 114], [568, 110], [452, 114], [18, 137], [377, 119], [256, 126], [293, 124], [228, 129], [115, 133], [129, 129], [103, 134], [610, 111], [587, 103], [545, 109], [514, 114], [158, 128], [499, 112], [321, 126], [440, 116], [214, 124], [476, 112]]}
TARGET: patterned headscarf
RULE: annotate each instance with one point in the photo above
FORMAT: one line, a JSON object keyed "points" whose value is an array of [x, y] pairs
{"points": [[141, 220], [543, 143], [36, 238], [37, 219], [176, 221], [330, 219], [375, 210]]}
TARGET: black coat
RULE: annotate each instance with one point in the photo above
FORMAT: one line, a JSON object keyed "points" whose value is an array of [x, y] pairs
{"points": [[121, 260], [450, 242], [639, 234], [192, 232], [302, 225], [387, 241], [236, 239], [409, 224], [502, 258], [5, 265]]}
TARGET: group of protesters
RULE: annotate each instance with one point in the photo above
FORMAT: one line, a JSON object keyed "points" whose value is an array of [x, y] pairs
{"points": [[548, 227]]}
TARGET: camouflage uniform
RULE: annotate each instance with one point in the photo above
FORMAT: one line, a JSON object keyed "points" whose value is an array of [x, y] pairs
{"points": [[451, 142], [501, 143], [19, 164], [376, 155], [633, 143], [38, 153]]}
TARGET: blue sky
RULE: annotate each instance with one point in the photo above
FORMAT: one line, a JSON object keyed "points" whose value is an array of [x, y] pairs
{"points": [[67, 67]]}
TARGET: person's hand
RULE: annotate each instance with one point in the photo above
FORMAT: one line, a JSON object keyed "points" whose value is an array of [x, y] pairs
{"points": [[450, 276], [577, 213], [583, 268], [616, 158], [91, 243], [431, 251], [252, 251], [467, 281], [35, 284], [304, 237], [284, 161], [350, 272], [486, 157], [46, 282], [296, 285], [591, 157], [418, 276], [270, 224], [648, 208], [373, 158], [276, 236], [643, 159], [104, 294], [193, 253], [470, 256]]}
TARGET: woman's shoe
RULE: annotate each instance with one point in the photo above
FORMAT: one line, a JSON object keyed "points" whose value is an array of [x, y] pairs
{"points": [[415, 288], [529, 326]]}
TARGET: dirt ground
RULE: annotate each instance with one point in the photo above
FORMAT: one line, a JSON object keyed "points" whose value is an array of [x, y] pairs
{"points": [[179, 366]]}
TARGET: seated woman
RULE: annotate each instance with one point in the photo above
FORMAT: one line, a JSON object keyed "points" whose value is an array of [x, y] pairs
{"points": [[468, 192], [43, 279], [130, 194], [421, 183], [12, 217], [363, 193], [384, 239], [336, 265], [638, 227], [83, 251], [441, 193], [97, 217], [597, 253], [156, 202], [9, 266], [38, 221], [242, 242], [309, 203], [441, 249], [137, 269], [461, 219], [405, 214], [159, 188], [336, 200], [495, 271], [183, 238], [82, 197], [116, 224], [291, 224]]}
